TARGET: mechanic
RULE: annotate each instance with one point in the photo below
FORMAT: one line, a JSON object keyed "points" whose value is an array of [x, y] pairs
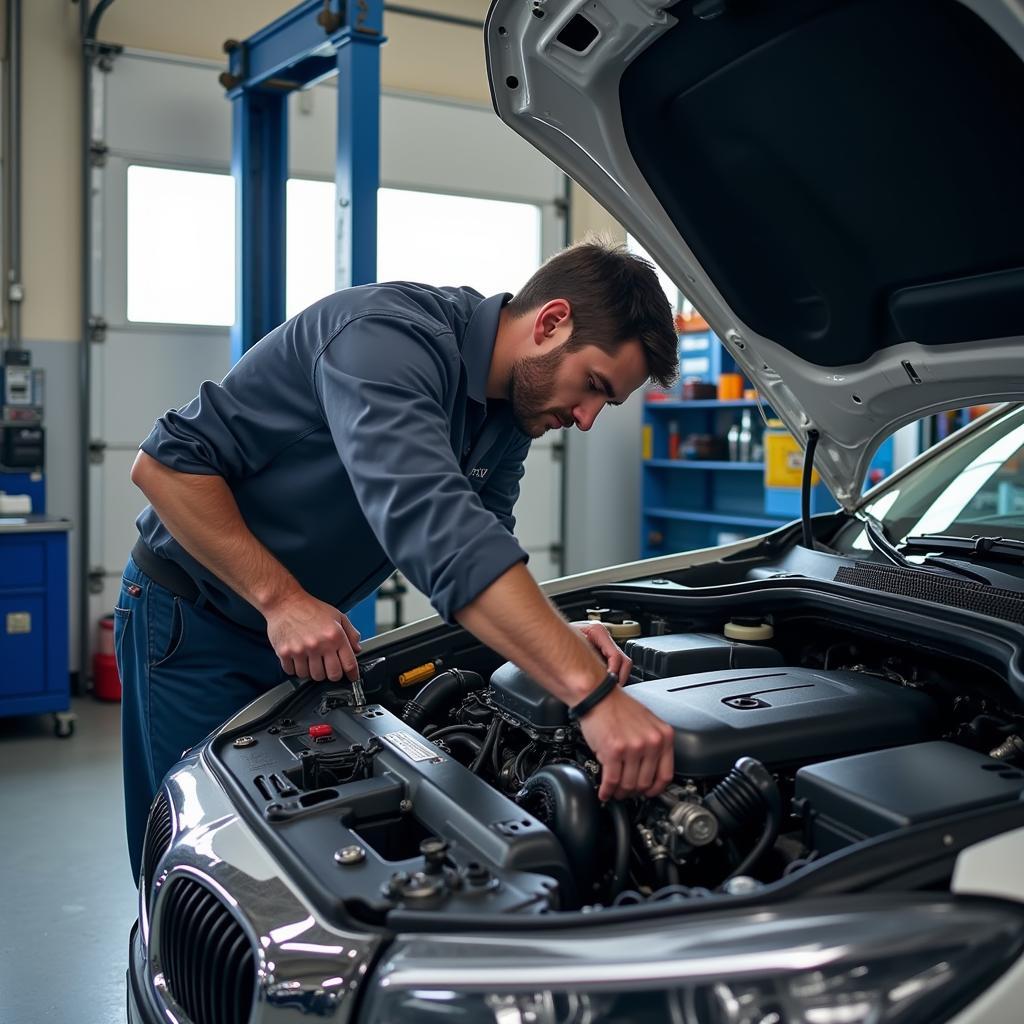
{"points": [[385, 426]]}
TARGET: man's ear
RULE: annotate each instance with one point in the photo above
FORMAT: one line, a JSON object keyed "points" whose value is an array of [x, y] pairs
{"points": [[553, 320]]}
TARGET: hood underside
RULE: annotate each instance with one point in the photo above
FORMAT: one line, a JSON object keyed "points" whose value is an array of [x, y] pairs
{"points": [[838, 187]]}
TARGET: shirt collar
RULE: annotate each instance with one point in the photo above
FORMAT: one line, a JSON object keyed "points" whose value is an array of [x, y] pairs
{"points": [[478, 344]]}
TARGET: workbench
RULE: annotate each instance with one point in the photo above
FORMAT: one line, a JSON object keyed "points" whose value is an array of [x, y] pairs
{"points": [[34, 671]]}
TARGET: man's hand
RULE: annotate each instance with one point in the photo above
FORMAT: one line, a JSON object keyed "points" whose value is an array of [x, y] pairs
{"points": [[633, 746], [313, 639], [598, 635]]}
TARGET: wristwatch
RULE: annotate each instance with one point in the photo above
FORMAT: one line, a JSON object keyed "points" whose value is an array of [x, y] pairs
{"points": [[592, 699]]}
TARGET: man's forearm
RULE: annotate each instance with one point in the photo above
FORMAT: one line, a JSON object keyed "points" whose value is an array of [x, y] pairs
{"points": [[515, 619], [202, 515]]}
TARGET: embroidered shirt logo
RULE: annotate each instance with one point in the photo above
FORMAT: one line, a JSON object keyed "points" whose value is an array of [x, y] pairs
{"points": [[479, 472]]}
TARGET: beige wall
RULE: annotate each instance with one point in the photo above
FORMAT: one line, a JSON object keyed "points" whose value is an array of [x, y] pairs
{"points": [[420, 56]]}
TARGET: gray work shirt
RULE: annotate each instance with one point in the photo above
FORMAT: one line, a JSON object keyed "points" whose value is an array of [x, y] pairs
{"points": [[358, 437]]}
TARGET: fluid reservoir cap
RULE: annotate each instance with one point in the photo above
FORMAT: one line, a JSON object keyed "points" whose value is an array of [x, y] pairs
{"points": [[748, 630], [320, 731], [628, 629]]}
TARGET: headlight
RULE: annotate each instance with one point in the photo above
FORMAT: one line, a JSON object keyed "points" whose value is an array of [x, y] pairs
{"points": [[887, 961]]}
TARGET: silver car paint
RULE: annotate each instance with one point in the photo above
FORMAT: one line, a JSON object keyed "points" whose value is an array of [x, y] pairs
{"points": [[566, 105], [303, 964]]}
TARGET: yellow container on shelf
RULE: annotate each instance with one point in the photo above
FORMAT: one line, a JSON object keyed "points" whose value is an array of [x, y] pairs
{"points": [[648, 441], [783, 458]]}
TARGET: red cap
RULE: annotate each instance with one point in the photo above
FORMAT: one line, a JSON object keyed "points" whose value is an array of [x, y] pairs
{"points": [[317, 731]]}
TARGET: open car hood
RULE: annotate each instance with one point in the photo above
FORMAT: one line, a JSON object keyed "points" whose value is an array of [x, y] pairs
{"points": [[837, 186]]}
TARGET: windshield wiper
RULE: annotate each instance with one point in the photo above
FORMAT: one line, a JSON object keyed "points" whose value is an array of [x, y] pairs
{"points": [[999, 548], [880, 540]]}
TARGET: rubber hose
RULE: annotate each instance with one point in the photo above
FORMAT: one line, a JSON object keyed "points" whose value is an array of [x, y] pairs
{"points": [[471, 743], [620, 822], [749, 789], [767, 837], [441, 692], [489, 741], [666, 872], [562, 796], [436, 734]]}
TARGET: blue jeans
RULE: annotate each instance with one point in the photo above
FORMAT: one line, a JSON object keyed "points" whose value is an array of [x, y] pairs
{"points": [[184, 670]]}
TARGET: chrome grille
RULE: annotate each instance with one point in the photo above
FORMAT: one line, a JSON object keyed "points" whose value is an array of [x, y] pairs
{"points": [[158, 837], [207, 959]]}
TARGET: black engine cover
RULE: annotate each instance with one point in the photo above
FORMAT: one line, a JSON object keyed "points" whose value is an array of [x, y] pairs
{"points": [[782, 716]]}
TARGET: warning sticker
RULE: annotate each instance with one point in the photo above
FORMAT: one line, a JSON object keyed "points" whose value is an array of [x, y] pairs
{"points": [[412, 748]]}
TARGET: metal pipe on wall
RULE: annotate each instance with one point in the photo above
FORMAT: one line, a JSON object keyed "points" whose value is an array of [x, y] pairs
{"points": [[84, 355], [88, 25], [12, 173]]}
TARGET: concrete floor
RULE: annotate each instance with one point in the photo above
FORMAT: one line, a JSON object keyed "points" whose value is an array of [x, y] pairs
{"points": [[67, 900]]}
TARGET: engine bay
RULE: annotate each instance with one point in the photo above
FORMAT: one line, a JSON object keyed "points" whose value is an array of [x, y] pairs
{"points": [[459, 786]]}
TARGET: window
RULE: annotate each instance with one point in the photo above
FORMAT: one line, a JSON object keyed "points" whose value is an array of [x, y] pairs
{"points": [[491, 245], [670, 290], [181, 246], [309, 243]]}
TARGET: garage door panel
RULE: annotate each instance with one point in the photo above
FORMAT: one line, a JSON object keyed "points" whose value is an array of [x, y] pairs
{"points": [[119, 501], [538, 510], [191, 123], [132, 394]]}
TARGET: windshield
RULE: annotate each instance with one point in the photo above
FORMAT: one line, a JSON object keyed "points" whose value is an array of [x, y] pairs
{"points": [[973, 487]]}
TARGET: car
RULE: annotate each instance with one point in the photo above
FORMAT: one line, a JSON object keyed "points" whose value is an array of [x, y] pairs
{"points": [[836, 186]]}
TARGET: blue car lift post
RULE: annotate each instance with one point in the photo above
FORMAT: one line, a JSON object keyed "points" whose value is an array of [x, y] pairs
{"points": [[313, 41]]}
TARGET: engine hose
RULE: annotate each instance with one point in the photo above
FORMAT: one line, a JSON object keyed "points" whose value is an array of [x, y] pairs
{"points": [[563, 798], [748, 792], [496, 752], [666, 872], [765, 840], [489, 741], [436, 734], [620, 822], [471, 743], [441, 692]]}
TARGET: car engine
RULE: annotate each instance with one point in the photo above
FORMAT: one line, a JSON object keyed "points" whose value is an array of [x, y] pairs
{"points": [[476, 794]]}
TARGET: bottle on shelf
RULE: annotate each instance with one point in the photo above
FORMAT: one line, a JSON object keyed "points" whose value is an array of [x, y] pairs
{"points": [[673, 439], [733, 437], [745, 437]]}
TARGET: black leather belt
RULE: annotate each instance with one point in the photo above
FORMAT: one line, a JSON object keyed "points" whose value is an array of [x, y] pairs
{"points": [[168, 574]]}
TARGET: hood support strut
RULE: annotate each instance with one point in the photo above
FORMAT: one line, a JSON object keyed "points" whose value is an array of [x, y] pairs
{"points": [[805, 488]]}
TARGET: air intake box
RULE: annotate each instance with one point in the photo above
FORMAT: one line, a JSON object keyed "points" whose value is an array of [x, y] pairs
{"points": [[657, 657], [866, 795]]}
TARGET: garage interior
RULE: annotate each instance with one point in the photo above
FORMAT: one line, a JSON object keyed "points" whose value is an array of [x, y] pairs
{"points": [[142, 257]]}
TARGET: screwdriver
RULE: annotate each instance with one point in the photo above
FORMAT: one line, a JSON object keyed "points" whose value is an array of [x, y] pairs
{"points": [[357, 687]]}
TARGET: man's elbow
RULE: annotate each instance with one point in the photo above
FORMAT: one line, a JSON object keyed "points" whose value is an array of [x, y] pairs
{"points": [[143, 470]]}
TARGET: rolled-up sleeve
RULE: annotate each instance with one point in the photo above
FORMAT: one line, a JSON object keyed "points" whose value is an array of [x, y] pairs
{"points": [[384, 385], [235, 428]]}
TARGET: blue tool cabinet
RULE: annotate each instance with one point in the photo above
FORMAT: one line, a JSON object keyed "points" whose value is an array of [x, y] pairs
{"points": [[34, 618]]}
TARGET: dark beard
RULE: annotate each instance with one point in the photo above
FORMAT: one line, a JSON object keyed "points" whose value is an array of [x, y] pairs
{"points": [[532, 385]]}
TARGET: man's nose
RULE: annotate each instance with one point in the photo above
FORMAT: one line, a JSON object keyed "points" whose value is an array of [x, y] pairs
{"points": [[586, 412]]}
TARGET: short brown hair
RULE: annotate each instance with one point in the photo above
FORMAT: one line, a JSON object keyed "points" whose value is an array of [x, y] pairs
{"points": [[615, 296]]}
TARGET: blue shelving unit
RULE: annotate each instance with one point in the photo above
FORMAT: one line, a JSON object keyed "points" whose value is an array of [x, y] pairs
{"points": [[696, 503]]}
